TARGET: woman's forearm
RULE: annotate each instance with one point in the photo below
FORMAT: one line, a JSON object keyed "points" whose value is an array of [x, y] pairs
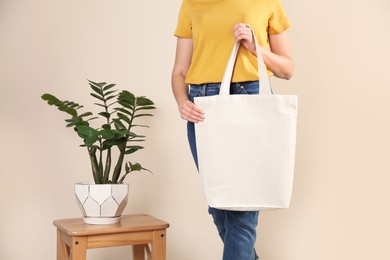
{"points": [[281, 66], [179, 89]]}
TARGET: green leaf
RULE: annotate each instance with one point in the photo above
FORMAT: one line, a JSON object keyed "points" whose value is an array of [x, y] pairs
{"points": [[141, 126], [122, 132], [92, 118], [109, 86], [143, 101], [86, 114], [134, 135], [124, 118], [126, 98], [100, 105], [105, 114], [68, 110], [123, 110], [87, 131], [144, 108], [138, 147], [89, 134], [71, 104], [133, 149], [110, 97], [47, 96], [74, 121], [106, 126], [50, 98], [141, 115], [136, 140], [98, 90], [136, 167], [97, 96], [110, 92], [107, 133], [90, 140], [116, 141], [118, 124], [100, 84]]}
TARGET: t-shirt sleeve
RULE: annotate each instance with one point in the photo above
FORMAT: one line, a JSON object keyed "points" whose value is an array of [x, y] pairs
{"points": [[184, 26], [278, 21]]}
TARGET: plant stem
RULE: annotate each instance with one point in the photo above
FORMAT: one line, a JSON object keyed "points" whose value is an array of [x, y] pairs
{"points": [[94, 164], [100, 161], [118, 166], [108, 167]]}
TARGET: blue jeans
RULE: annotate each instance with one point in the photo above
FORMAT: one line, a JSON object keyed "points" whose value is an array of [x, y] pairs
{"points": [[237, 229]]}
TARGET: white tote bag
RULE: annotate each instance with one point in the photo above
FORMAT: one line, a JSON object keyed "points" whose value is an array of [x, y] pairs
{"points": [[246, 146]]}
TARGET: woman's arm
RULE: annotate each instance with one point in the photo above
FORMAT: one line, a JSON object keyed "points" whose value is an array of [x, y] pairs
{"points": [[278, 59], [188, 110]]}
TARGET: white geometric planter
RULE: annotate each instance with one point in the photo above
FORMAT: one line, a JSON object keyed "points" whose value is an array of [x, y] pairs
{"points": [[101, 203]]}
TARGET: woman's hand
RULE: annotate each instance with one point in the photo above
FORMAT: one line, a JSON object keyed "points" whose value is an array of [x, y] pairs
{"points": [[191, 112], [278, 58], [243, 34]]}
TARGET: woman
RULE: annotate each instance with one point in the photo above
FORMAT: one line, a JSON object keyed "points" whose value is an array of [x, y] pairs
{"points": [[206, 32]]}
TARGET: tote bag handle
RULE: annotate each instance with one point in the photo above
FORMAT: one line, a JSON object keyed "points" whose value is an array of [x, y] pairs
{"points": [[265, 87]]}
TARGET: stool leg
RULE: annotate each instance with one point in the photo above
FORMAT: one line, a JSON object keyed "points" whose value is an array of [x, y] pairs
{"points": [[78, 249], [159, 245], [148, 253], [138, 252], [63, 250]]}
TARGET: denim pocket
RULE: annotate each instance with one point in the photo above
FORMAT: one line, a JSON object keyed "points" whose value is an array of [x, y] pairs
{"points": [[212, 89], [248, 88], [203, 90]]}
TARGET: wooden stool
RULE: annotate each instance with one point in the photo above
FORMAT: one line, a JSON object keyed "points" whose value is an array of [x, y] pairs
{"points": [[74, 237]]}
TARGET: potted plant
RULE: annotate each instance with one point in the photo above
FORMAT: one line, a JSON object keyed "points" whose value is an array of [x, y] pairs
{"points": [[103, 201]]}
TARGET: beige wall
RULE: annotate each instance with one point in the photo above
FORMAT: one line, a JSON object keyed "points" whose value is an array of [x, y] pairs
{"points": [[340, 205]]}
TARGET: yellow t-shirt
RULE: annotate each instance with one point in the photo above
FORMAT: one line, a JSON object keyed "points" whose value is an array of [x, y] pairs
{"points": [[210, 25]]}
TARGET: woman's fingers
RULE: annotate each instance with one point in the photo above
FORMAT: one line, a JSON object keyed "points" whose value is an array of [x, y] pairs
{"points": [[191, 112], [243, 34]]}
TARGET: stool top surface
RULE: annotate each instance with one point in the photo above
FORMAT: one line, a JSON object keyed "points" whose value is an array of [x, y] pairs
{"points": [[128, 223]]}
